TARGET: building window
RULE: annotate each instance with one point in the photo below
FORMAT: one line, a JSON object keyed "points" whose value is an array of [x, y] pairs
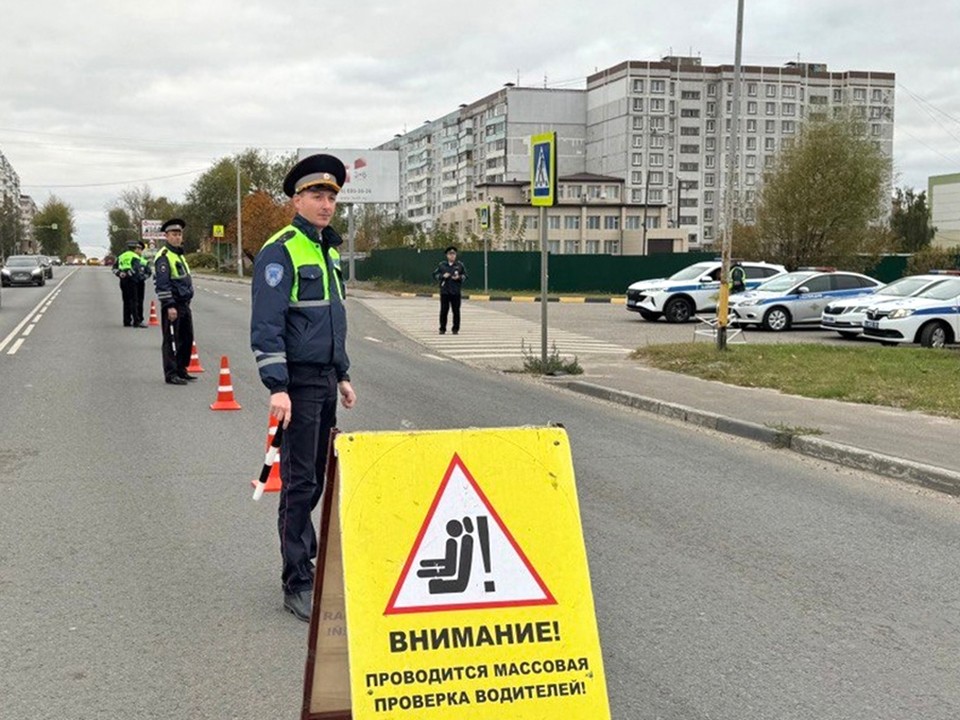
{"points": [[711, 126], [751, 143], [612, 191], [638, 104], [571, 247], [710, 161], [789, 91], [553, 222], [658, 86], [688, 219], [689, 167], [655, 177], [771, 108], [657, 141], [788, 127], [789, 109], [688, 202], [571, 222], [593, 222], [611, 247], [859, 94], [751, 125], [875, 129], [838, 95], [638, 141], [636, 196], [553, 247], [637, 159], [574, 191], [708, 196], [708, 215], [712, 90], [751, 161], [711, 144], [768, 161], [689, 112], [656, 159], [770, 126], [636, 177], [771, 91], [638, 122], [532, 222], [751, 179], [656, 196], [656, 105], [593, 247], [708, 232], [657, 123], [689, 131], [689, 94], [633, 222], [689, 149], [638, 86], [770, 144], [611, 222]]}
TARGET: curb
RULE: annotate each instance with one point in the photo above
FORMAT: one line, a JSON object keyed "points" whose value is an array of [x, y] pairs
{"points": [[928, 476], [524, 298]]}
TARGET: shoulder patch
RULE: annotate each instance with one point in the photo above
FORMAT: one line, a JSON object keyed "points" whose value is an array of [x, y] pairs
{"points": [[273, 274], [286, 236]]}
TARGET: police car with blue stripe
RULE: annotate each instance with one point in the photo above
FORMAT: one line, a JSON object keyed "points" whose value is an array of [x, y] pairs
{"points": [[931, 318], [797, 298], [691, 290], [846, 316]]}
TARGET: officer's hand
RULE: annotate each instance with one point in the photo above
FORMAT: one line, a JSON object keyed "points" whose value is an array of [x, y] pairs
{"points": [[280, 408], [348, 398], [446, 275], [171, 314]]}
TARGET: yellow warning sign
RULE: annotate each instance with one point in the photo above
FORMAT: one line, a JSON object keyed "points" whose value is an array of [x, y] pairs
{"points": [[467, 587]]}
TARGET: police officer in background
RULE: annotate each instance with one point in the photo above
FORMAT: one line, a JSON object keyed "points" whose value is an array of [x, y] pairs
{"points": [[174, 291], [123, 269], [141, 271], [738, 278], [450, 273], [298, 331]]}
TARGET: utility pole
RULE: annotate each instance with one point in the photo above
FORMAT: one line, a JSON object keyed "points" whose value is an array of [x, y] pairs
{"points": [[239, 225], [729, 204]]}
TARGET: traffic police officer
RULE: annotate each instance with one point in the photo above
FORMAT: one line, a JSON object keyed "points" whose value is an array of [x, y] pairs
{"points": [[123, 269], [174, 291], [738, 278], [141, 271], [298, 331]]}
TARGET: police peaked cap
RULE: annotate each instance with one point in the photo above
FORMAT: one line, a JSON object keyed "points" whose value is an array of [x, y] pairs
{"points": [[315, 171], [173, 224], [133, 244]]}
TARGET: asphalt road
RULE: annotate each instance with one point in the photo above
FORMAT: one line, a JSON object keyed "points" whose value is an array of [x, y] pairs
{"points": [[138, 580]]}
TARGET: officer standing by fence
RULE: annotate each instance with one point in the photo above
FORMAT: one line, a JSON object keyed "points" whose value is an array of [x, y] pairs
{"points": [[174, 291], [450, 273], [298, 332]]}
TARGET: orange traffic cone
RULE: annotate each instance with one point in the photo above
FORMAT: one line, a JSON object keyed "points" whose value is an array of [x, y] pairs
{"points": [[273, 481], [225, 399], [153, 314], [194, 366]]}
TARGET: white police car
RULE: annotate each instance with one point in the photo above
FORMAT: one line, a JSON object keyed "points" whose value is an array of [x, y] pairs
{"points": [[846, 316], [931, 318], [691, 290], [797, 297]]}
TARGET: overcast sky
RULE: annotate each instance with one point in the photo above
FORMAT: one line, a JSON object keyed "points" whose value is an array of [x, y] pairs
{"points": [[106, 94]]}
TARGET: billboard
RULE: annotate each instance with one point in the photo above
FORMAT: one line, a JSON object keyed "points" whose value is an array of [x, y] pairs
{"points": [[373, 176], [150, 231]]}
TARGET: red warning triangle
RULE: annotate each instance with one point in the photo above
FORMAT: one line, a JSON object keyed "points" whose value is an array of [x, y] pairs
{"points": [[464, 556]]}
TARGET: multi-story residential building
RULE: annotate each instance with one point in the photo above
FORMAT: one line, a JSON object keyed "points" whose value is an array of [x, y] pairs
{"points": [[9, 203], [590, 217], [943, 199], [663, 128], [28, 210], [443, 161]]}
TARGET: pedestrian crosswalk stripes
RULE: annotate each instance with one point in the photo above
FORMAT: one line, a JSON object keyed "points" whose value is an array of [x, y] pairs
{"points": [[487, 334]]}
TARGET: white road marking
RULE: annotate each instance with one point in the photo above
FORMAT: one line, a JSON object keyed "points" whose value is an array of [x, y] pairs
{"points": [[372, 339], [29, 330], [19, 327], [434, 357], [16, 346]]}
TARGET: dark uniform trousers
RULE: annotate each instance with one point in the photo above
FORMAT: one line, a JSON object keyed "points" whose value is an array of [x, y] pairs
{"points": [[139, 286], [447, 303], [128, 289], [303, 461], [175, 364]]}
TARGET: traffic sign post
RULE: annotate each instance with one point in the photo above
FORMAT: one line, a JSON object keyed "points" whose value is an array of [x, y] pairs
{"points": [[218, 235], [543, 194], [484, 226], [465, 590]]}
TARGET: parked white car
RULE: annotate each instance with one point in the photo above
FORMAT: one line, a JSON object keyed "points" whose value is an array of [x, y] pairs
{"points": [[931, 318], [798, 297], [689, 291], [846, 315]]}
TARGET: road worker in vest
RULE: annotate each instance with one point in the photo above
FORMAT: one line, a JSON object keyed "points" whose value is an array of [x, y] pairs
{"points": [[298, 333]]}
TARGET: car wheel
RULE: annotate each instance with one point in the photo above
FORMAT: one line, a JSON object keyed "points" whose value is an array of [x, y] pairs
{"points": [[678, 310], [847, 335], [933, 335], [43, 281], [777, 319], [651, 316]]}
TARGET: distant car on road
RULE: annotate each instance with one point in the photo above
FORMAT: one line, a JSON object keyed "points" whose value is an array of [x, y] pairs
{"points": [[797, 298], [689, 291], [23, 270], [93, 261], [846, 316], [56, 261], [930, 318]]}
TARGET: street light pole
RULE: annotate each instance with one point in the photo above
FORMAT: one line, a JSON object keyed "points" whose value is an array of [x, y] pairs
{"points": [[239, 225], [729, 204]]}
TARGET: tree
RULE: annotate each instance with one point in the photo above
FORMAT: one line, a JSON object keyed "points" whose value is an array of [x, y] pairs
{"points": [[10, 230], [120, 230], [54, 212], [824, 202], [262, 217], [376, 228], [910, 220]]}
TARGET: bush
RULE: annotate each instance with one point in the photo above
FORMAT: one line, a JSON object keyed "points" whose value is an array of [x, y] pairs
{"points": [[202, 261], [556, 365], [934, 258]]}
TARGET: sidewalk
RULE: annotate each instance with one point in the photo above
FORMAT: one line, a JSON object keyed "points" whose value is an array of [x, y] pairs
{"points": [[910, 446]]}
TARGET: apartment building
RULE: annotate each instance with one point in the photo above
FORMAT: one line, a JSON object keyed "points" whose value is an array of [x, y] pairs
{"points": [[665, 128], [661, 127], [28, 211], [943, 199]]}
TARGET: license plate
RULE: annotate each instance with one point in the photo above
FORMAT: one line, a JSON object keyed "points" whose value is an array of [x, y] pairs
{"points": [[871, 324], [631, 302], [828, 321]]}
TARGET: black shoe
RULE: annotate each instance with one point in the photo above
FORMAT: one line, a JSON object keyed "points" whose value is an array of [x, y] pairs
{"points": [[139, 325], [299, 604], [442, 331], [176, 381], [456, 332], [187, 376]]}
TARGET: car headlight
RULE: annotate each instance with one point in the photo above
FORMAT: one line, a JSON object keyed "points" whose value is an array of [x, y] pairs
{"points": [[5, 272], [38, 270], [747, 302], [900, 313]]}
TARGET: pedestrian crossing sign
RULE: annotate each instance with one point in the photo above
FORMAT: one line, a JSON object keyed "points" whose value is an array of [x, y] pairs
{"points": [[543, 169], [465, 577]]}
